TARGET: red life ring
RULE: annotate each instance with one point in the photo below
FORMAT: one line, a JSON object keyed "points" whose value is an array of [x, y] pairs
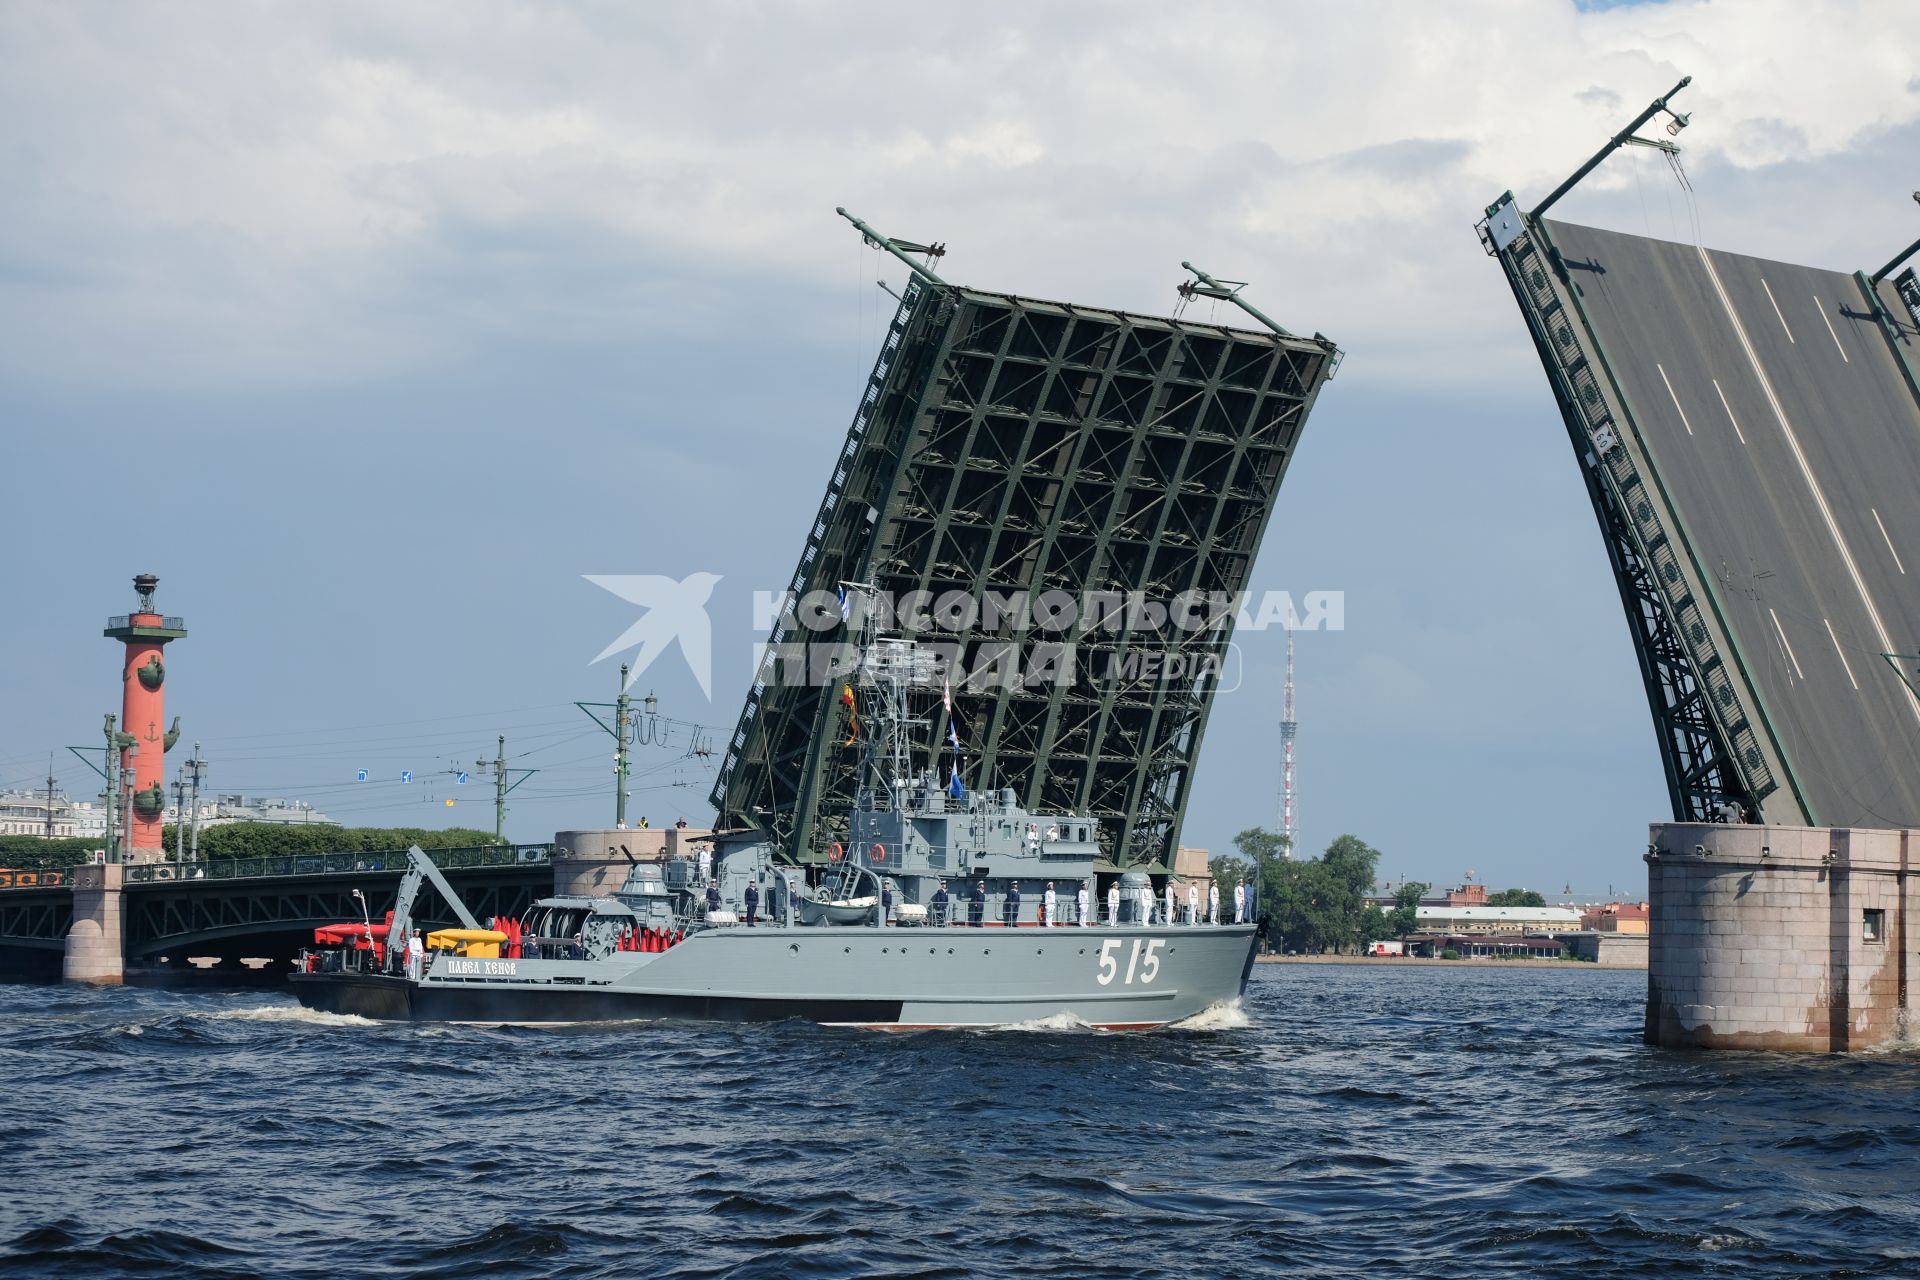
{"points": [[879, 852], [835, 852]]}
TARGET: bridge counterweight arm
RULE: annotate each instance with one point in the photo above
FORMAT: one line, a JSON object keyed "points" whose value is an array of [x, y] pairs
{"points": [[1619, 140]]}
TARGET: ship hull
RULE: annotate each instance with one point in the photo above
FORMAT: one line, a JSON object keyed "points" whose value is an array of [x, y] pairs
{"points": [[901, 979]]}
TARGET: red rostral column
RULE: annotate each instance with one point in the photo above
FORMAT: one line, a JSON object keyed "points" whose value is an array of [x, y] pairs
{"points": [[142, 715]]}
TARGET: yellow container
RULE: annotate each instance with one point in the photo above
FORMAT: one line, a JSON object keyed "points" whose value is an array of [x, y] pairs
{"points": [[481, 944]]}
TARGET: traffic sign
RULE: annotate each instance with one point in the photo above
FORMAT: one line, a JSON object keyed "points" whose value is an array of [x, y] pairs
{"points": [[460, 778], [361, 776], [406, 775]]}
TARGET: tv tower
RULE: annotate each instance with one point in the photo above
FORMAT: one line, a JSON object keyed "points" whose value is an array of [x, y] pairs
{"points": [[1289, 726]]}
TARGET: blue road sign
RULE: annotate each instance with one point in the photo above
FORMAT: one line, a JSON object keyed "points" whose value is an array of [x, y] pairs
{"points": [[406, 775], [460, 778], [361, 776]]}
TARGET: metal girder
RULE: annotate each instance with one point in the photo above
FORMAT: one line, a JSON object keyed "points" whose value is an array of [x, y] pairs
{"points": [[1012, 445], [1713, 744], [38, 918]]}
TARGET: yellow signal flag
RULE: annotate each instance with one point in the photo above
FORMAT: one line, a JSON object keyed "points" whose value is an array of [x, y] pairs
{"points": [[449, 802]]}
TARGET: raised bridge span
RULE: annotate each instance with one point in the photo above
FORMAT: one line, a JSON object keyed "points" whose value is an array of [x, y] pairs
{"points": [[1749, 431]]}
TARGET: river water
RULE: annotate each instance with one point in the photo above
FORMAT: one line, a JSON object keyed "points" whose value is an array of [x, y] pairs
{"points": [[1349, 1119]]}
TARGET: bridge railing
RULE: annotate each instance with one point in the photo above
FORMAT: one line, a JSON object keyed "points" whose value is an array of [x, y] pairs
{"points": [[312, 864], [31, 879]]}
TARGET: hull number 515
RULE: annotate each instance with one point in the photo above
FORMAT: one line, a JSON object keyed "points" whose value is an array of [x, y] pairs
{"points": [[1143, 961]]}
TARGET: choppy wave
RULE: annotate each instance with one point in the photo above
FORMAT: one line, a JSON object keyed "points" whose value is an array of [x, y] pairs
{"points": [[1354, 1120], [290, 1013], [1057, 1022], [1228, 1015]]}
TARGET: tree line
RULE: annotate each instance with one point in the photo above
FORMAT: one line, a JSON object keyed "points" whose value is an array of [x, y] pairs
{"points": [[249, 840], [1319, 905]]}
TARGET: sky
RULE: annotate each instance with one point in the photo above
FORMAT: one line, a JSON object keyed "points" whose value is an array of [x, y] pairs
{"points": [[372, 329]]}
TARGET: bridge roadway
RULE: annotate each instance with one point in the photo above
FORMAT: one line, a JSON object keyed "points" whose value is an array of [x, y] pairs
{"points": [[1786, 434]]}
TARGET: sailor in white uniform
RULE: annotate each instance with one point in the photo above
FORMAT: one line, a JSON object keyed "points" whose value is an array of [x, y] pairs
{"points": [[1193, 904], [1172, 902], [1047, 900], [706, 863], [1080, 904], [1146, 905], [1213, 903], [1239, 902], [1113, 903], [416, 957]]}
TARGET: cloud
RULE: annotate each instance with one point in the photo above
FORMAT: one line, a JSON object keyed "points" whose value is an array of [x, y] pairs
{"points": [[291, 194]]}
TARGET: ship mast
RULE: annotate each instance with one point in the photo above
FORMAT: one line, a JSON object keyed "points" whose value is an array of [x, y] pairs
{"points": [[891, 666]]}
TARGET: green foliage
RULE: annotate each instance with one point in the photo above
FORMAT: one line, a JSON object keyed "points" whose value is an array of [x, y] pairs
{"points": [[274, 839], [1225, 869], [33, 853], [1374, 925], [1257, 845], [1405, 916], [248, 840], [1516, 898], [1314, 904], [1449, 954]]}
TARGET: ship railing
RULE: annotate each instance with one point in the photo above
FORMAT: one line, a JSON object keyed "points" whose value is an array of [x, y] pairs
{"points": [[994, 913], [335, 960], [315, 864]]}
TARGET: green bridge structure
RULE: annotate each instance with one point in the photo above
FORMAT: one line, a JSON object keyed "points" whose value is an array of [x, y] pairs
{"points": [[1012, 447], [247, 908]]}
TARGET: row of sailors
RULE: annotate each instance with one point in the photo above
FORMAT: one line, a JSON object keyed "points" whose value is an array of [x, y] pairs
{"points": [[1049, 910], [942, 906]]}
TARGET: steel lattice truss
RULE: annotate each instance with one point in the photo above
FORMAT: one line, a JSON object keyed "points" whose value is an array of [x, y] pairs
{"points": [[1011, 445], [38, 918]]}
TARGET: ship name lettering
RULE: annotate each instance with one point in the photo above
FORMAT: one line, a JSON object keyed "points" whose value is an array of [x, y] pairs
{"points": [[487, 968]]}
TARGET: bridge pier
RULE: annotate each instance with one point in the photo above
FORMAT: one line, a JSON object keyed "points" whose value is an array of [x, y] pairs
{"points": [[96, 942], [1785, 938]]}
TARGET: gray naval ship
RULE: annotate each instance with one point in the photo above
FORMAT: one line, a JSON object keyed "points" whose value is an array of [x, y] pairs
{"points": [[932, 912]]}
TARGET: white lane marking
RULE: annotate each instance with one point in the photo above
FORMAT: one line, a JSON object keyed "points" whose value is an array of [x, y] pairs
{"points": [[1806, 472], [1776, 309], [1890, 551], [1843, 656], [1729, 408], [1782, 633], [1830, 333], [1676, 401]]}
